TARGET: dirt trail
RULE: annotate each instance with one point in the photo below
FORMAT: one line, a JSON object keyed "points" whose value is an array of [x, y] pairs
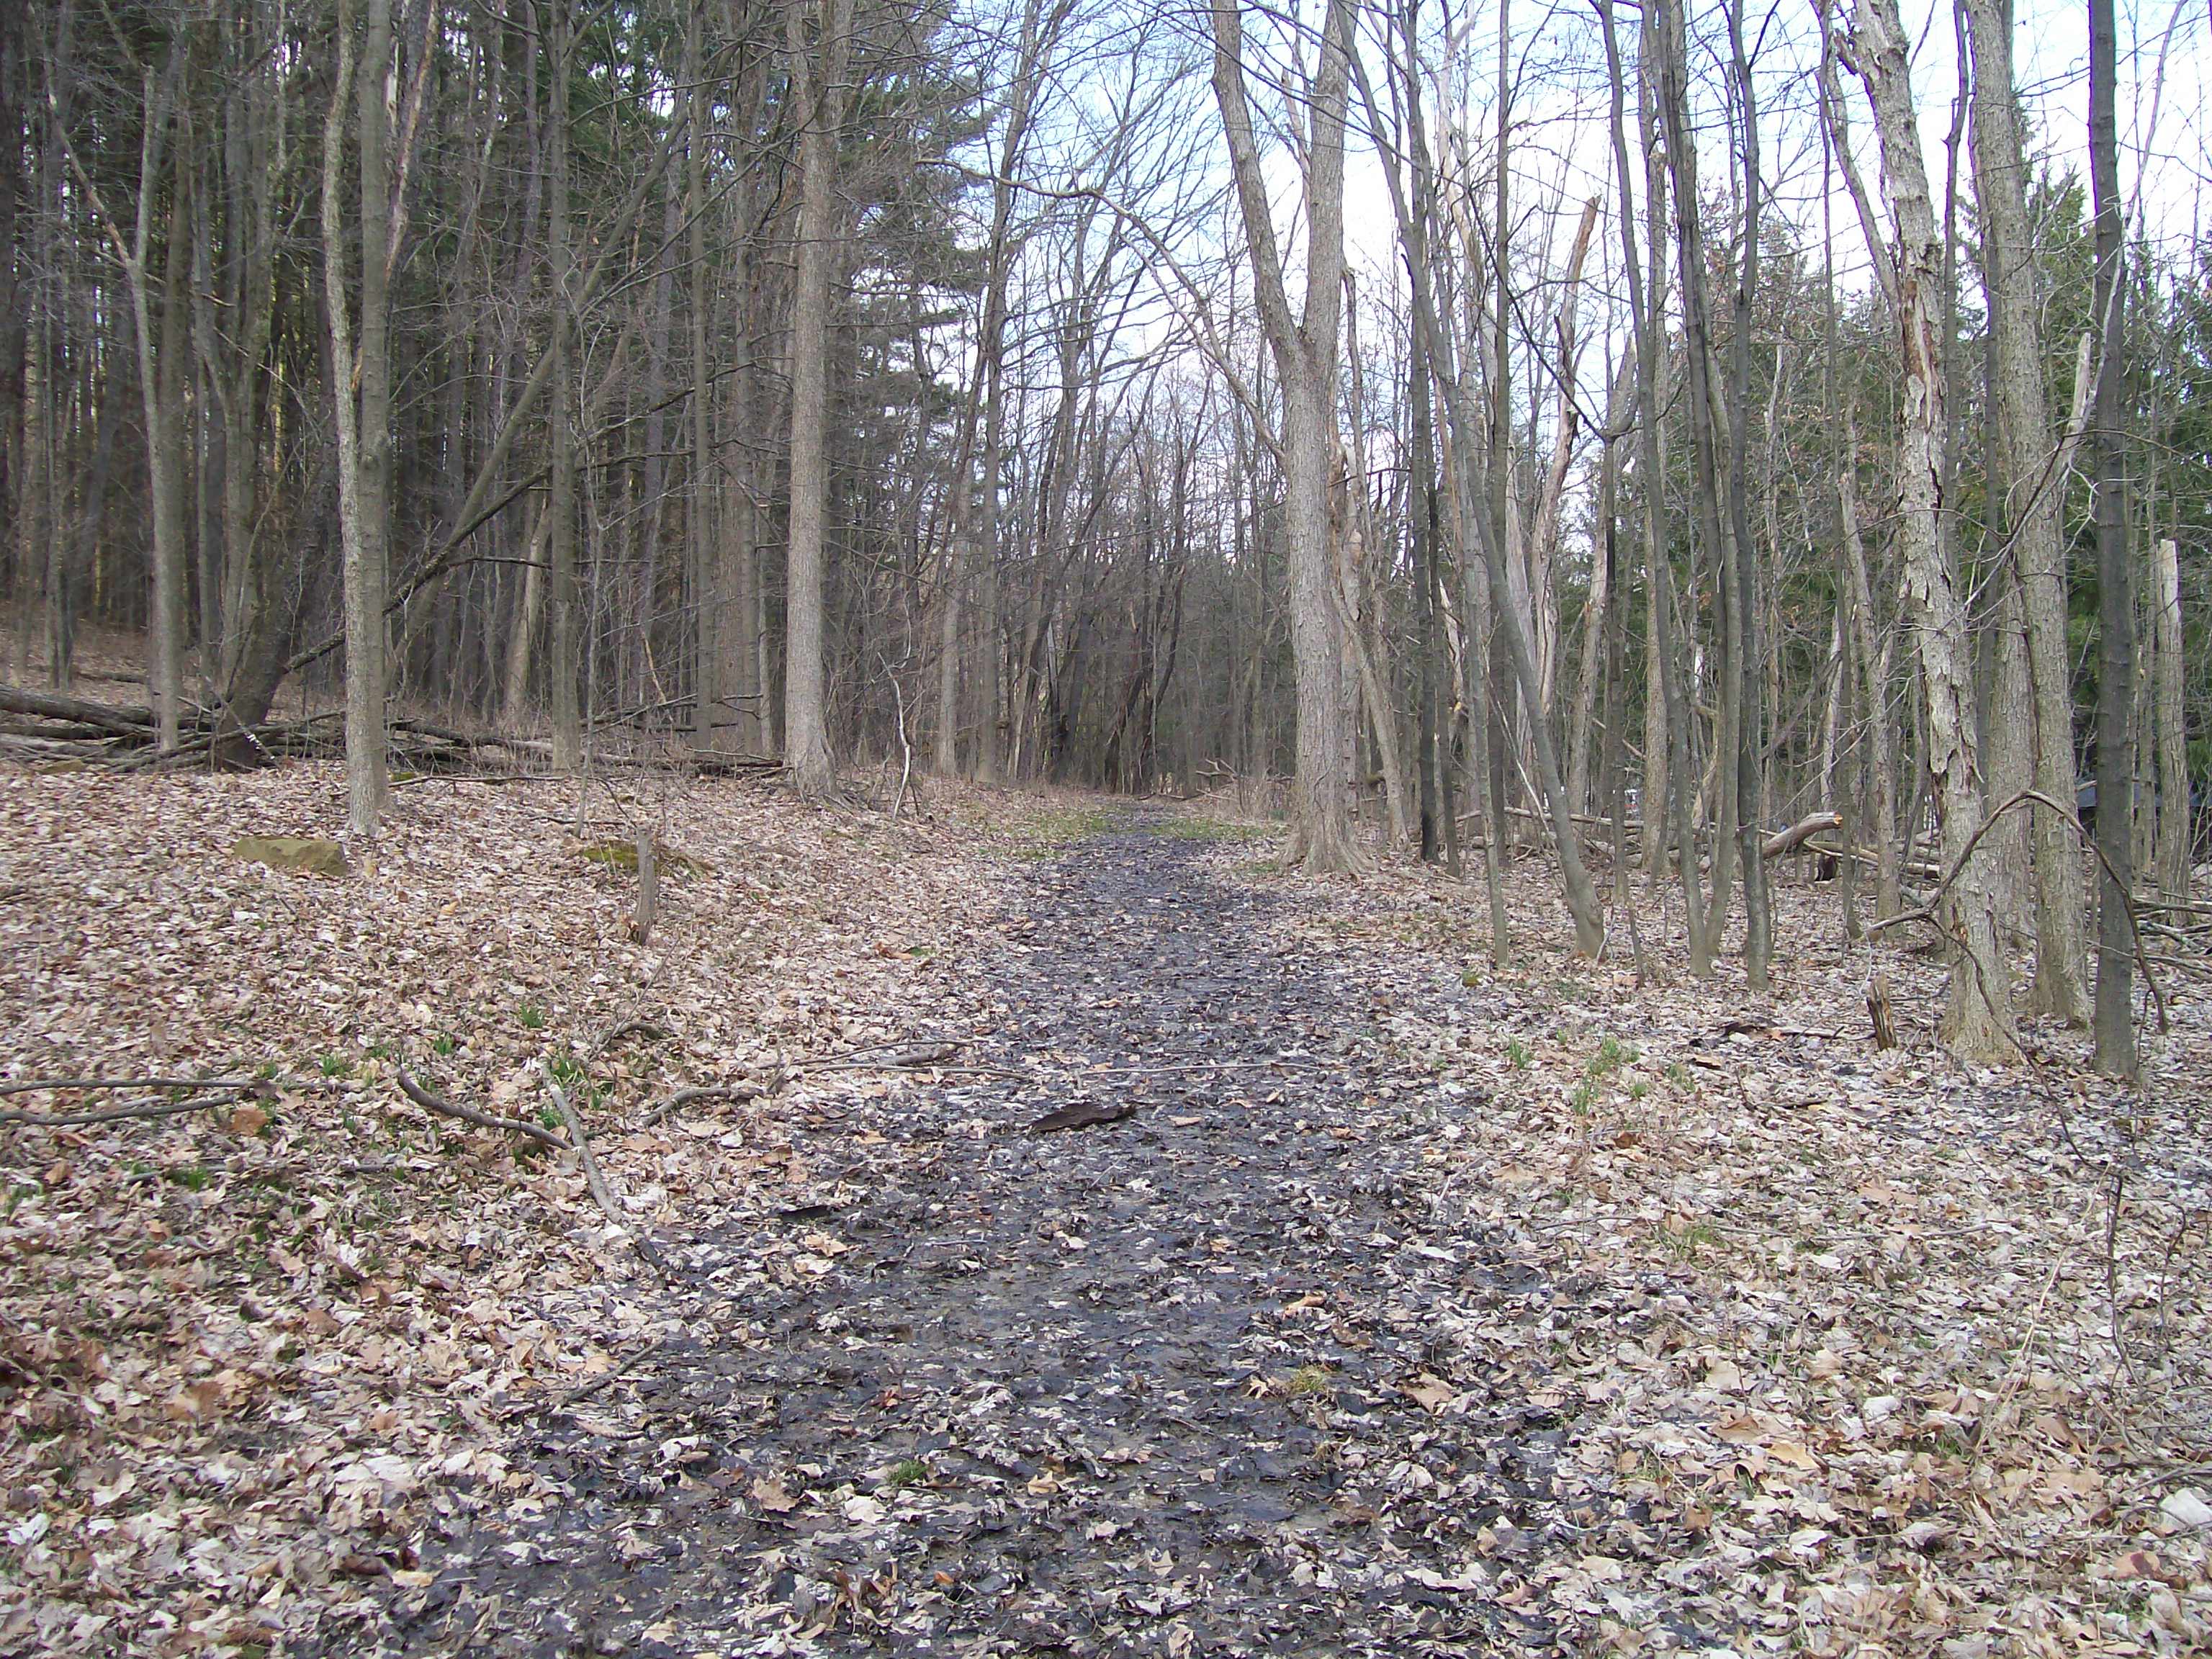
{"points": [[1152, 1386]]}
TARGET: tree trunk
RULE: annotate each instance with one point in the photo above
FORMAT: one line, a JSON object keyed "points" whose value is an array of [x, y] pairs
{"points": [[165, 482], [361, 530], [818, 69], [2172, 842], [563, 597], [1977, 1013], [710, 682], [1305, 352], [1667, 749], [17, 434], [2116, 614], [1748, 653], [1697, 351], [2029, 505], [1596, 620]]}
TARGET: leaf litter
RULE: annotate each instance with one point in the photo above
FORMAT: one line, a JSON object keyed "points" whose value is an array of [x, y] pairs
{"points": [[1384, 1303]]}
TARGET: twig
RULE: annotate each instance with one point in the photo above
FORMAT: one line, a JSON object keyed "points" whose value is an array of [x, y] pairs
{"points": [[577, 1396], [422, 1097], [627, 1027], [1926, 912], [32, 1086], [935, 1055], [684, 1097], [890, 1060], [602, 1195], [141, 1109]]}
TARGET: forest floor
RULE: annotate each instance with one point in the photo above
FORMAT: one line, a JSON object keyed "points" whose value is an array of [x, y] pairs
{"points": [[1394, 1305]]}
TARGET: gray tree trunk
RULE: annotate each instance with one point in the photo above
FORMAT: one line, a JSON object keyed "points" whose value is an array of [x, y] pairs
{"points": [[2114, 1022], [2031, 509], [1305, 352], [563, 600], [361, 527], [1977, 1020], [2173, 835], [818, 69]]}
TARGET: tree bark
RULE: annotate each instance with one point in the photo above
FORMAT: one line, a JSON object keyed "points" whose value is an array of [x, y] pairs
{"points": [[563, 597], [1690, 256], [818, 69], [710, 685], [2115, 1028], [361, 526], [1305, 352], [1749, 654], [2029, 505], [1669, 756], [1976, 1022], [2174, 835]]}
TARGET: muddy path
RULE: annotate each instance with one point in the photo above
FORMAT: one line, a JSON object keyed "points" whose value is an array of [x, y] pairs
{"points": [[1168, 1384]]}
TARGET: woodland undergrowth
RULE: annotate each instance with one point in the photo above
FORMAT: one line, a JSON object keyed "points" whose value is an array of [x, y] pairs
{"points": [[1933, 1375]]}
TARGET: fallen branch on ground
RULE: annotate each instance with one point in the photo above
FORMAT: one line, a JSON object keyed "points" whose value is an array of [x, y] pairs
{"points": [[422, 1097], [595, 1178], [1084, 1114], [38, 1085], [601, 1195], [739, 1092], [112, 1114]]}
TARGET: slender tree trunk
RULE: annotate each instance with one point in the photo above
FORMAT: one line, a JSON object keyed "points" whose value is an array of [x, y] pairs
{"points": [[709, 594], [1420, 515], [818, 71], [1750, 657], [165, 483], [2170, 859], [14, 438], [1666, 750], [1977, 1011], [1362, 632], [1596, 617], [1305, 352], [2029, 505], [1873, 656], [364, 757], [564, 594], [1690, 255], [2116, 616]]}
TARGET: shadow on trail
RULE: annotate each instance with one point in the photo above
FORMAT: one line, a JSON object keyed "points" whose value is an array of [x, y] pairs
{"points": [[1162, 1386]]}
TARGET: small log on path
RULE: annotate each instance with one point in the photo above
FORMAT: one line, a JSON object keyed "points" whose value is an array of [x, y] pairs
{"points": [[1084, 1114]]}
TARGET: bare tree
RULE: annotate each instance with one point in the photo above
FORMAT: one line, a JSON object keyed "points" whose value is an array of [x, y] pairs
{"points": [[1978, 1009], [817, 68], [2029, 504], [2116, 605], [361, 393], [1305, 353]]}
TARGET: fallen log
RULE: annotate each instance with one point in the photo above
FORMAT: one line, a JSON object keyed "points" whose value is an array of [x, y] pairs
{"points": [[1790, 839], [1916, 869], [121, 721]]}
